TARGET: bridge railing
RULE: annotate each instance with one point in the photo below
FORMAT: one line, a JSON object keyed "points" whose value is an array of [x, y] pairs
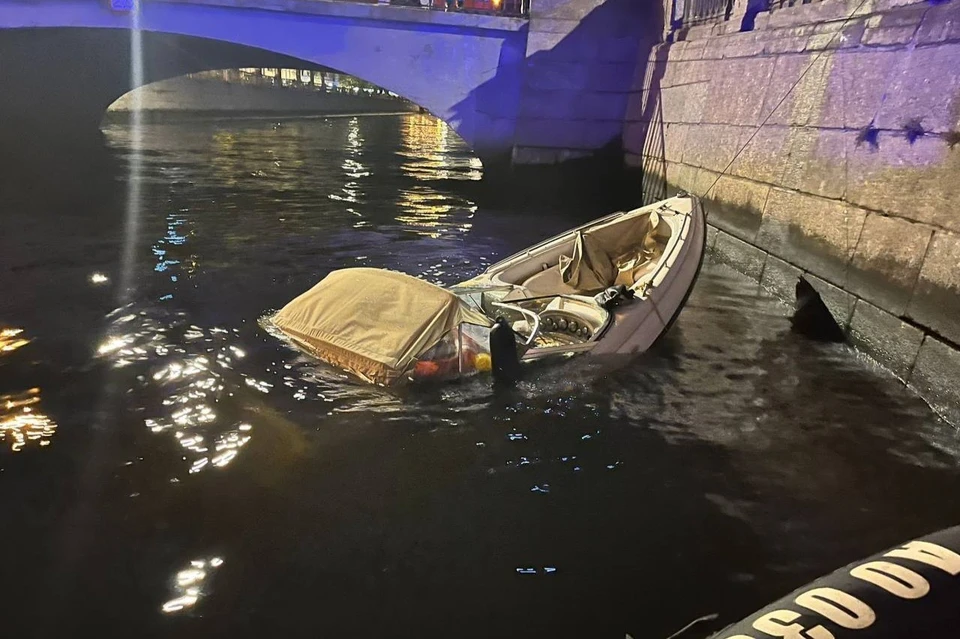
{"points": [[510, 8], [690, 13], [783, 4], [693, 12]]}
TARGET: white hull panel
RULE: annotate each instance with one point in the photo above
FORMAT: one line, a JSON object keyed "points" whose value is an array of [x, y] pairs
{"points": [[635, 325]]}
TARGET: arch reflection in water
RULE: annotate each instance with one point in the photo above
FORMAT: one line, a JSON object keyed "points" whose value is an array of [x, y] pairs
{"points": [[430, 213], [432, 150], [188, 584], [352, 167]]}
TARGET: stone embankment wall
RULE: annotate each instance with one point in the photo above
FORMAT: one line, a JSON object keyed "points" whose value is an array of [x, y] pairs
{"points": [[854, 177], [182, 95], [577, 73]]}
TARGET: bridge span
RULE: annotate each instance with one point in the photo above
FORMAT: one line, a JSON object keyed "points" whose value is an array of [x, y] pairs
{"points": [[542, 89]]}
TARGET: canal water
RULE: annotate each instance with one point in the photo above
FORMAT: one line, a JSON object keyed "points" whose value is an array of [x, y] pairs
{"points": [[167, 469]]}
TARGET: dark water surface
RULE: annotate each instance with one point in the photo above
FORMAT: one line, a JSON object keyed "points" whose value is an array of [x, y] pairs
{"points": [[174, 471]]}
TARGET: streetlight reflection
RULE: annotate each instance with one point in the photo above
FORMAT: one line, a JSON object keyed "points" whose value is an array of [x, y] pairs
{"points": [[188, 583], [22, 423]]}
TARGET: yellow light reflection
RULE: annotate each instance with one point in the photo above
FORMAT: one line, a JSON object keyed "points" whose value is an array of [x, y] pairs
{"points": [[187, 584], [22, 423], [434, 152], [424, 132], [114, 344], [424, 210], [430, 213], [10, 339]]}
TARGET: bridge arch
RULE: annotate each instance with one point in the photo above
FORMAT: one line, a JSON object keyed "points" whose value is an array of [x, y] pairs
{"points": [[284, 91], [466, 72]]}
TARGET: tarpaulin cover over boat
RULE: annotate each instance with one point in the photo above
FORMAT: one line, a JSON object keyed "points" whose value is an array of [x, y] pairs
{"points": [[614, 252], [372, 322]]}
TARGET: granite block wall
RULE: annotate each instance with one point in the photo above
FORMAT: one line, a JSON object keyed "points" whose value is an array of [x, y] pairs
{"points": [[578, 72], [853, 177]]}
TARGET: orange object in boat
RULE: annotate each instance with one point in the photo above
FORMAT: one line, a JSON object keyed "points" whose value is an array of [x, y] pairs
{"points": [[426, 368]]}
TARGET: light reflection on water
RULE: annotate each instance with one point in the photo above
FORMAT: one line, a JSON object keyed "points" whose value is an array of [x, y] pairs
{"points": [[21, 421], [188, 584], [186, 371], [11, 340], [733, 462]]}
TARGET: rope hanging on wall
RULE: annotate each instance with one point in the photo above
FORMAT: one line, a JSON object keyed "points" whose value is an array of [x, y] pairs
{"points": [[786, 95], [869, 134]]}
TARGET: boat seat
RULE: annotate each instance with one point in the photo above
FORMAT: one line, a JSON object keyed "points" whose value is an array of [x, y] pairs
{"points": [[638, 274], [629, 269], [548, 282], [634, 269]]}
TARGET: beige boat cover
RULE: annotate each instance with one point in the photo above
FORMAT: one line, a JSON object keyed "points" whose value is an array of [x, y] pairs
{"points": [[372, 322], [608, 253]]}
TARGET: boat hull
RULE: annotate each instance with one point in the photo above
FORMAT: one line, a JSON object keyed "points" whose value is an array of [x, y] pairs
{"points": [[610, 287], [638, 323]]}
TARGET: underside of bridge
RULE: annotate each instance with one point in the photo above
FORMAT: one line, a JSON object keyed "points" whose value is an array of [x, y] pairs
{"points": [[537, 91], [58, 82], [65, 61]]}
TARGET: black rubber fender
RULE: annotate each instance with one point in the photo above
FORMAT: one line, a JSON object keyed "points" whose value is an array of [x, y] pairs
{"points": [[911, 591], [503, 352]]}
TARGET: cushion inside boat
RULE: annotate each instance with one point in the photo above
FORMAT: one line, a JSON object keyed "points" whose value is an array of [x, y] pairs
{"points": [[633, 274], [548, 282], [621, 251]]}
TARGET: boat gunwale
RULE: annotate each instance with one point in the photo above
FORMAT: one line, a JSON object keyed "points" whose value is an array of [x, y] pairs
{"points": [[642, 290], [649, 282], [529, 251]]}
